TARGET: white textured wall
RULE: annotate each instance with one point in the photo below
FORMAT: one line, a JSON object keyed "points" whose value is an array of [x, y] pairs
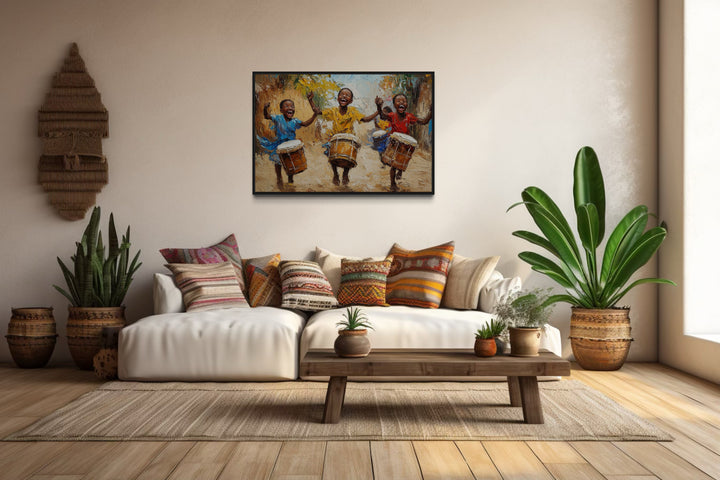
{"points": [[520, 86]]}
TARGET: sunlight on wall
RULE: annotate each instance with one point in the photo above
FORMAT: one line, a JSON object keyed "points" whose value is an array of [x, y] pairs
{"points": [[702, 166]]}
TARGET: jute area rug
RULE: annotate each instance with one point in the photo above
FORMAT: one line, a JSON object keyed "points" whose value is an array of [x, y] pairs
{"points": [[372, 411]]}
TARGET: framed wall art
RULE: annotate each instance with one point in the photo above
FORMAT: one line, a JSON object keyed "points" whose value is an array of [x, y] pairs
{"points": [[343, 133]]}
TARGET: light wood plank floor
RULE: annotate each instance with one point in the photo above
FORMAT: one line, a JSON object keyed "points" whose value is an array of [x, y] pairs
{"points": [[685, 406]]}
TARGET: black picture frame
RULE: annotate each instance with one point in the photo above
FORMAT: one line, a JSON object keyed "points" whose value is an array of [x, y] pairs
{"points": [[340, 151]]}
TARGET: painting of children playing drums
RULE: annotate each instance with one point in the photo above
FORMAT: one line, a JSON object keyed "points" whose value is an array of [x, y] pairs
{"points": [[343, 132]]}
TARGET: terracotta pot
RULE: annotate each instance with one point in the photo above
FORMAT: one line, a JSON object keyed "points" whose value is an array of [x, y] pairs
{"points": [[352, 343], [600, 338], [524, 341], [31, 336], [84, 331], [485, 347]]}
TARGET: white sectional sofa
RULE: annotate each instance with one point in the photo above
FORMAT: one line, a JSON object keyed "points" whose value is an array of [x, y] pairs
{"points": [[266, 343]]}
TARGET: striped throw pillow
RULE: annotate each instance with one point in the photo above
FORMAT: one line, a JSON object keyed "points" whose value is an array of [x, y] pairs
{"points": [[225, 251], [263, 281], [362, 282], [305, 287], [207, 287], [466, 277], [417, 277]]}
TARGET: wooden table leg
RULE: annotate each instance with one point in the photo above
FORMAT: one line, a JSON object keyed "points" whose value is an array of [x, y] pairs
{"points": [[530, 394], [334, 399], [514, 389]]}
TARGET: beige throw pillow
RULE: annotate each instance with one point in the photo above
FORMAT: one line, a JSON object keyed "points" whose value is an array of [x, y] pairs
{"points": [[466, 278]]}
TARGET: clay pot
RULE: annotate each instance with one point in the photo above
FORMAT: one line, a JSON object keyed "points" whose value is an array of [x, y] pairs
{"points": [[485, 347], [84, 331], [352, 343], [524, 341], [600, 338], [31, 336]]}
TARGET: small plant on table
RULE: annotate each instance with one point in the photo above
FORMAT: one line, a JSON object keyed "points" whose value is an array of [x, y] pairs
{"points": [[352, 339]]}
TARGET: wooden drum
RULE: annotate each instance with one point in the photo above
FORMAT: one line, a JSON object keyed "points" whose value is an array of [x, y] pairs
{"points": [[292, 156], [343, 150], [399, 151], [379, 138]]}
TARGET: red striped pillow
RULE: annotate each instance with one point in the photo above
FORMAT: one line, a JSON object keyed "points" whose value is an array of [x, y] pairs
{"points": [[208, 286], [225, 251]]}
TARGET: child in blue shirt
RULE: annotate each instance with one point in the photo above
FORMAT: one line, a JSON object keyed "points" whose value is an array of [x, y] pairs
{"points": [[285, 126]]}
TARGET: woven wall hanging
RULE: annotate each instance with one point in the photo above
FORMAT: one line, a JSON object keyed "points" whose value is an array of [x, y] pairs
{"points": [[72, 123]]}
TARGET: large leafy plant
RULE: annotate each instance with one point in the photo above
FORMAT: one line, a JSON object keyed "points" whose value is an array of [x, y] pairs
{"points": [[98, 280], [589, 281]]}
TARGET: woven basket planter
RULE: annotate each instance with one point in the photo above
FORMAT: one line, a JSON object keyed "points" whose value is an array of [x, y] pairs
{"points": [[31, 336], [84, 331], [600, 338]]}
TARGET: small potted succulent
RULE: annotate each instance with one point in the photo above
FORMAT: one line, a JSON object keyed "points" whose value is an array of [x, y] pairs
{"points": [[352, 338], [486, 338], [525, 312]]}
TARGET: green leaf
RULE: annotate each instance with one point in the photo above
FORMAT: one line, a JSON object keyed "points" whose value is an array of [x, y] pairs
{"points": [[568, 299], [565, 246], [588, 227], [536, 239], [639, 255], [534, 195], [548, 267], [588, 186], [625, 234], [616, 298]]}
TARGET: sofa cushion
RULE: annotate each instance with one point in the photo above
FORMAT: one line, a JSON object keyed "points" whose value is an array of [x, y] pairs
{"points": [[225, 251], [466, 278], [263, 281], [417, 277], [167, 297], [208, 287], [305, 287], [234, 344], [362, 282], [497, 290]]}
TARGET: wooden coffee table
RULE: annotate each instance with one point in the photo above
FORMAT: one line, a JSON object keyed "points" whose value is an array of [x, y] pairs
{"points": [[521, 373]]}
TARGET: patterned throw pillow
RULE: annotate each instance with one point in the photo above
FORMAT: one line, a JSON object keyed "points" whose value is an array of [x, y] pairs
{"points": [[207, 287], [362, 282], [263, 281], [305, 287], [417, 278], [225, 251], [330, 264], [466, 277]]}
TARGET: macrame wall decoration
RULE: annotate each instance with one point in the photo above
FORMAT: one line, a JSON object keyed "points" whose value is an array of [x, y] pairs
{"points": [[72, 123]]}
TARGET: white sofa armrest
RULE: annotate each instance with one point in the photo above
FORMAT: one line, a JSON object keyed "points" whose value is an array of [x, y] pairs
{"points": [[497, 290], [167, 297]]}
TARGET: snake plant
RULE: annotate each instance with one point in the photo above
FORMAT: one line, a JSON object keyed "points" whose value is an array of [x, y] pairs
{"points": [[589, 281], [355, 319], [98, 280]]}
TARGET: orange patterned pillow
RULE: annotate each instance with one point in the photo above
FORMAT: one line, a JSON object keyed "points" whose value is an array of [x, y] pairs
{"points": [[417, 277], [363, 282], [263, 281]]}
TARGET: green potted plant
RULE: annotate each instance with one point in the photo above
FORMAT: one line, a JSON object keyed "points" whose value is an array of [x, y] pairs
{"points": [[599, 330], [525, 313], [487, 337], [96, 287], [352, 338]]}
